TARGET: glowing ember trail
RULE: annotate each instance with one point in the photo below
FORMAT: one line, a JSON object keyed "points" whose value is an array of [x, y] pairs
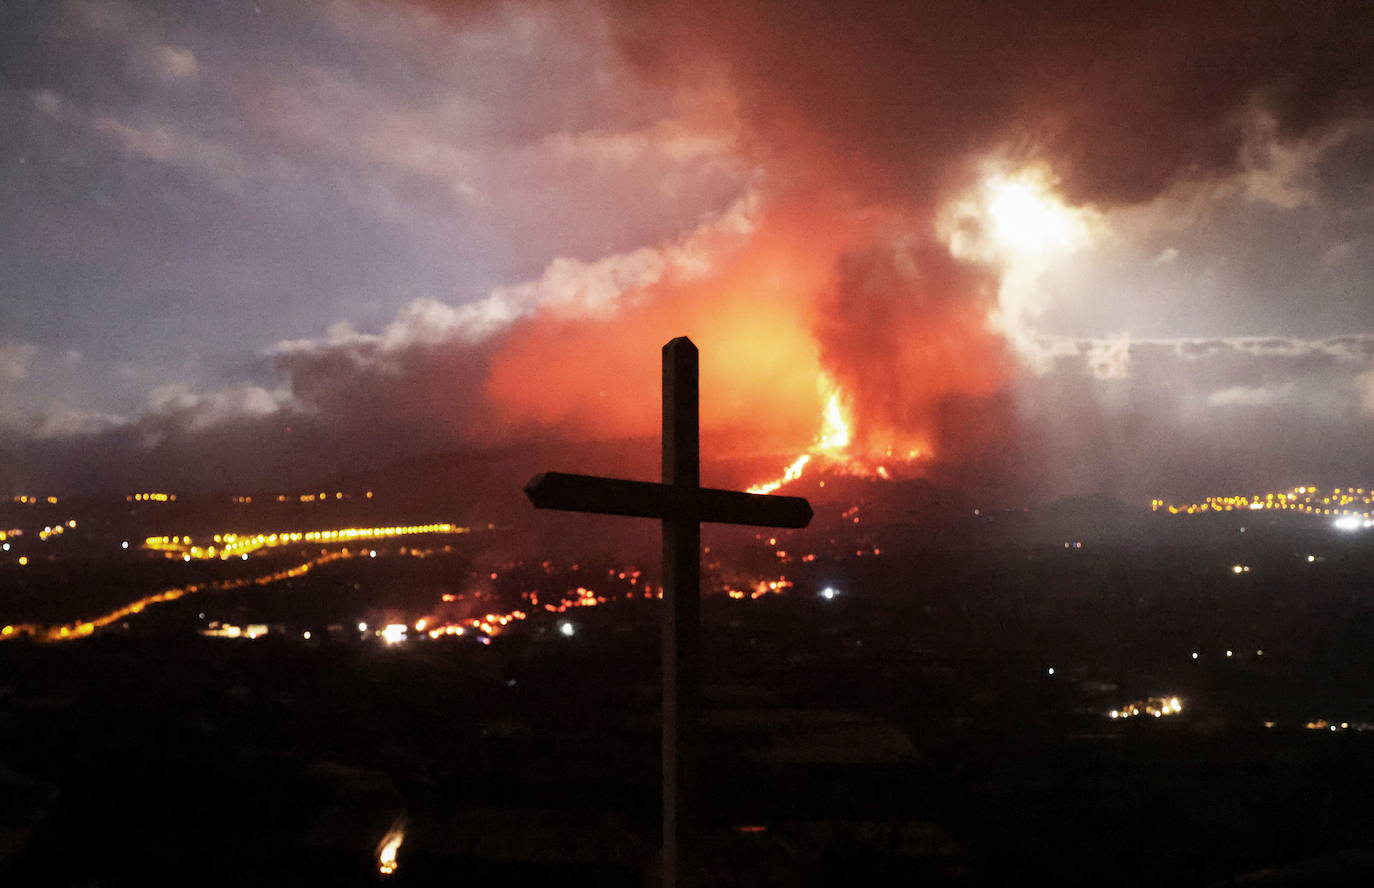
{"points": [[84, 628], [389, 845]]}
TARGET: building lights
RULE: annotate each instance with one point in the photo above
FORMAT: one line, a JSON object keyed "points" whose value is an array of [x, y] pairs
{"points": [[1155, 707], [226, 545], [1353, 507]]}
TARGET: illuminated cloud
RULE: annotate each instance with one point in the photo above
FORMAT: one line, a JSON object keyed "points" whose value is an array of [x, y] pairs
{"points": [[170, 62], [1246, 396], [1367, 391], [199, 410], [15, 360], [173, 146], [1109, 360], [60, 422], [567, 288]]}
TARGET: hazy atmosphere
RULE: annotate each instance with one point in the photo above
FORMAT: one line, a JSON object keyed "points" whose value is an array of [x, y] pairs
{"points": [[261, 243]]}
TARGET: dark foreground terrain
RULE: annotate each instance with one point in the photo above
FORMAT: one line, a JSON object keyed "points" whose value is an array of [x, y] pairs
{"points": [[939, 716]]}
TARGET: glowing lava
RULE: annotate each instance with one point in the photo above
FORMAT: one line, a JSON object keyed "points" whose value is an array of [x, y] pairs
{"points": [[387, 848], [832, 447]]}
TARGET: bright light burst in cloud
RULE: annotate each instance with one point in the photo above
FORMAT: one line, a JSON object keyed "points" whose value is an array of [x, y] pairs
{"points": [[1010, 219], [1019, 223], [1026, 216]]}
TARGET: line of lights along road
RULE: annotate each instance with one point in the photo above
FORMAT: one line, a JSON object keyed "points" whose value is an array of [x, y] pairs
{"points": [[1350, 508]]}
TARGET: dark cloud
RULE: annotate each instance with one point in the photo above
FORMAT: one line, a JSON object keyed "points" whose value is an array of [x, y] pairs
{"points": [[1124, 99]]}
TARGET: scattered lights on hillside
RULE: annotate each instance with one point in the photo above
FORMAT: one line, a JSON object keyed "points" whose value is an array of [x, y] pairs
{"points": [[151, 498], [758, 588], [54, 530], [1331, 725], [25, 499], [217, 629], [1156, 707], [322, 496]]}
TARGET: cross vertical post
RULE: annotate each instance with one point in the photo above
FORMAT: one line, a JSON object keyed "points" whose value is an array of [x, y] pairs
{"points": [[681, 503], [681, 605]]}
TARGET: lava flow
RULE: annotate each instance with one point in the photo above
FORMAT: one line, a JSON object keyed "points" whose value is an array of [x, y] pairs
{"points": [[831, 449]]}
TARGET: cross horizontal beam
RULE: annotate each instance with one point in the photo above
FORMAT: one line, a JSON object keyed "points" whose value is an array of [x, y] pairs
{"points": [[646, 499]]}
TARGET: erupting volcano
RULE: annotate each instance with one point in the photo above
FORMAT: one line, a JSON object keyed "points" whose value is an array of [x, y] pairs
{"points": [[866, 339], [1006, 227], [862, 217], [830, 450]]}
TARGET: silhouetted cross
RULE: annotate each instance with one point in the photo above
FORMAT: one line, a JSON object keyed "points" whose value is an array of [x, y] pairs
{"points": [[683, 504]]}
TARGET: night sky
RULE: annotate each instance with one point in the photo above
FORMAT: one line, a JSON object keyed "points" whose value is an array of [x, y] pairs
{"points": [[238, 235]]}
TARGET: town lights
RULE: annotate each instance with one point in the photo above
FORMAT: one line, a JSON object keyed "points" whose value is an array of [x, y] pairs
{"points": [[1156, 707]]}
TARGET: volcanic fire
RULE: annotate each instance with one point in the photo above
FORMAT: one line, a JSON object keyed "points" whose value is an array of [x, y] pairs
{"points": [[831, 448], [830, 442], [909, 329]]}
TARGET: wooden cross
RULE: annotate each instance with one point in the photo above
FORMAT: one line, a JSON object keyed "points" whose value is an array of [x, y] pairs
{"points": [[682, 504]]}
